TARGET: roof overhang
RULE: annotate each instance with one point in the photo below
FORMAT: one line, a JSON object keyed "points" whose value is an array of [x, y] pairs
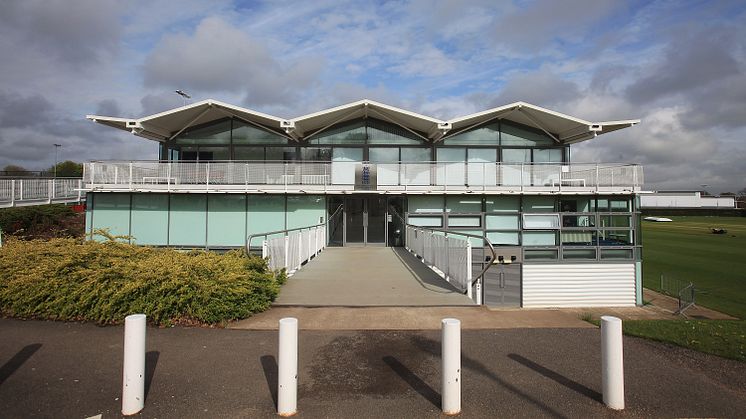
{"points": [[421, 125], [564, 129], [167, 125]]}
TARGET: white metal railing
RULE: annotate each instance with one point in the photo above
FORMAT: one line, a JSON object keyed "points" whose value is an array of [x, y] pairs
{"points": [[31, 191], [451, 257], [291, 250], [291, 175]]}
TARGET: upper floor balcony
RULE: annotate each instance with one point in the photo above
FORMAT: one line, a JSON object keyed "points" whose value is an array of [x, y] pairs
{"points": [[360, 177]]}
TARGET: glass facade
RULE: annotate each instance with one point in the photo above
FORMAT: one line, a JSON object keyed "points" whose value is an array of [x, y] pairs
{"points": [[548, 228], [234, 139]]}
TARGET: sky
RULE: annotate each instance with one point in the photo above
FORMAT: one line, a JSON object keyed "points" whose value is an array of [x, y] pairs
{"points": [[679, 66]]}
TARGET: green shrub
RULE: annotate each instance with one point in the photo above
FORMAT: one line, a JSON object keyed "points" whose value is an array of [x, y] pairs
{"points": [[13, 220], [72, 279]]}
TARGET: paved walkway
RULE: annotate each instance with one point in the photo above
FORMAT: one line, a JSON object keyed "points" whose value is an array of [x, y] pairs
{"points": [[410, 318], [70, 370], [368, 276]]}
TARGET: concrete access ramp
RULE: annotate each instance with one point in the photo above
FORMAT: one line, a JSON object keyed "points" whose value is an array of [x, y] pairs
{"points": [[368, 277]]}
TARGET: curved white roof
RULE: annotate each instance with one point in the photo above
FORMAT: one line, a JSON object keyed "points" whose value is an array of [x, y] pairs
{"points": [[562, 128]]}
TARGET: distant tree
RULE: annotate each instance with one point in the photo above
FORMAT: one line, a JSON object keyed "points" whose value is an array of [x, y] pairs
{"points": [[14, 170], [66, 168], [728, 194]]}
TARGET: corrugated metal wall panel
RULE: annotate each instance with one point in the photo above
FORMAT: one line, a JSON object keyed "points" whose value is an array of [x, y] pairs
{"points": [[579, 285]]}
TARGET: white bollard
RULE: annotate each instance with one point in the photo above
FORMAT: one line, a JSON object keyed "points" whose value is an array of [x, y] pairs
{"points": [[612, 362], [133, 375], [451, 373], [287, 368]]}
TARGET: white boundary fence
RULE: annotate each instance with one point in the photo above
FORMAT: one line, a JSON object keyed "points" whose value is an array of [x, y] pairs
{"points": [[291, 250], [448, 256], [32, 191]]}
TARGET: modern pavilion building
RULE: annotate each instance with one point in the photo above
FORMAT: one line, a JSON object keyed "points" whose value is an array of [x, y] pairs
{"points": [[568, 230]]}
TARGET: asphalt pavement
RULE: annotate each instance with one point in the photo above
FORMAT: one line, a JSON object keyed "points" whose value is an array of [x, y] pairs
{"points": [[71, 370]]}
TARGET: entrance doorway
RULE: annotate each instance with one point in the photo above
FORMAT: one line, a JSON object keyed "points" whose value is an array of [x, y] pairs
{"points": [[365, 221]]}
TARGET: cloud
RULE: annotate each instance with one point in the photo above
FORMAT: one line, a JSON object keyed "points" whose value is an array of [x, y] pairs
{"points": [[542, 88], [541, 24], [17, 111], [75, 32], [219, 57], [691, 60]]}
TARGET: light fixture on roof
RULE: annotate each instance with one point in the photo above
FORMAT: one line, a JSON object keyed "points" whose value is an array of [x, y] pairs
{"points": [[183, 94]]}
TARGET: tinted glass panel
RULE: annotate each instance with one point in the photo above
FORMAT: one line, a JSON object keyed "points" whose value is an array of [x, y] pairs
{"points": [[316, 153], [484, 135], [541, 254], [346, 133], [280, 153], [383, 155], [514, 134], [214, 133], [503, 237], [464, 221], [244, 133], [409, 154], [503, 204], [615, 237], [578, 221], [579, 238], [548, 155], [616, 221], [539, 238], [516, 155], [502, 222], [380, 132], [426, 221], [248, 153], [616, 253], [579, 254], [463, 204]]}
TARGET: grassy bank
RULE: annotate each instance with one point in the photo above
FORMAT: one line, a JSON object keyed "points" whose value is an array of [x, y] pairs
{"points": [[72, 279], [686, 249], [726, 338]]}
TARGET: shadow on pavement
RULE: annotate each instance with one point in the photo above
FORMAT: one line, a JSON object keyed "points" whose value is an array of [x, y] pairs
{"points": [[413, 380], [434, 348], [269, 365], [423, 274], [559, 378], [151, 362], [17, 361]]}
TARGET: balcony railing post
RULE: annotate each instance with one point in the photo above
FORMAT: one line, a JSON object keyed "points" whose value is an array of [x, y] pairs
{"points": [[50, 190], [484, 176], [20, 190], [168, 176], [468, 270], [246, 176], [116, 175], [80, 189], [598, 180], [12, 192], [522, 177], [130, 180], [207, 176]]}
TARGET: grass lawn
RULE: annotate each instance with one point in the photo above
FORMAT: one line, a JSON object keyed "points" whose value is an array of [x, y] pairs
{"points": [[687, 250], [726, 338]]}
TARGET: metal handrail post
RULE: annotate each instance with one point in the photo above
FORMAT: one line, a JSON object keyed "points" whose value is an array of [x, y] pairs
{"points": [[12, 192], [130, 182]]}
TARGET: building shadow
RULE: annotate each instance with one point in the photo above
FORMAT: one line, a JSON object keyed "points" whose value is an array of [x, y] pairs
{"points": [[151, 362], [424, 275], [434, 348], [557, 377], [14, 363], [413, 380], [269, 365]]}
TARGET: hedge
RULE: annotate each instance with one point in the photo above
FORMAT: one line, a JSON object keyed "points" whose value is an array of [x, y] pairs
{"points": [[73, 279]]}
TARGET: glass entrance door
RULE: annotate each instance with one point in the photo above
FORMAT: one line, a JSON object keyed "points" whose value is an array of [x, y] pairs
{"points": [[365, 221]]}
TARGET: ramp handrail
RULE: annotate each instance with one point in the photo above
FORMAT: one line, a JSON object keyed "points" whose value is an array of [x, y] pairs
{"points": [[473, 280], [290, 251]]}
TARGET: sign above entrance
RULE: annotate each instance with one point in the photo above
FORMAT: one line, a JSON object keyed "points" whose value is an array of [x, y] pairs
{"points": [[365, 177]]}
